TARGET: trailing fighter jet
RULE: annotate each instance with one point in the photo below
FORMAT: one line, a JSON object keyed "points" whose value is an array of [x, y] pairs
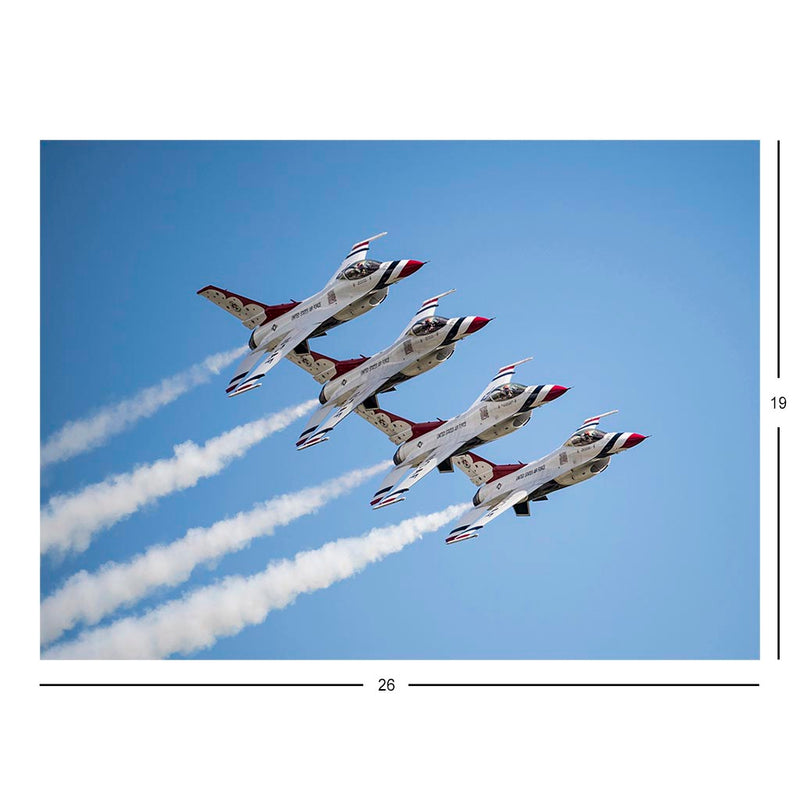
{"points": [[500, 408], [425, 342], [585, 454], [356, 287]]}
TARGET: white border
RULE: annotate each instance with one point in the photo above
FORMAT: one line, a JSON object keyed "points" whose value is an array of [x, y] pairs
{"points": [[357, 70]]}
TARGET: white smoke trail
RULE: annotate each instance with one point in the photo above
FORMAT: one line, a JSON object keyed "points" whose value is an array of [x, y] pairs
{"points": [[198, 619], [89, 597], [85, 434], [69, 520]]}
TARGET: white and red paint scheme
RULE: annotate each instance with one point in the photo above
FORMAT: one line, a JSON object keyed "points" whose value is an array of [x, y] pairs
{"points": [[501, 408], [359, 285], [502, 486], [426, 341]]}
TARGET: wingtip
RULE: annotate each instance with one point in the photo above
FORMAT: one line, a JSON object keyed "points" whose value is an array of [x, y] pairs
{"points": [[242, 389], [384, 503], [310, 443], [461, 537]]}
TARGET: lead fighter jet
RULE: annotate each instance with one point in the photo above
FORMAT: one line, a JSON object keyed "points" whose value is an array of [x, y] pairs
{"points": [[425, 342], [585, 454], [356, 287], [500, 408]]}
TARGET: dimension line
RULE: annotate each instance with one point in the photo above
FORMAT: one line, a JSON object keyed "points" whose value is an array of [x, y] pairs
{"points": [[779, 542], [547, 685], [220, 685], [779, 259]]}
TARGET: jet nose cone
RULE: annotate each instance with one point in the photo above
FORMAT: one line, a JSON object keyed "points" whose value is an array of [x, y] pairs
{"points": [[411, 267], [555, 392], [633, 439], [477, 323]]}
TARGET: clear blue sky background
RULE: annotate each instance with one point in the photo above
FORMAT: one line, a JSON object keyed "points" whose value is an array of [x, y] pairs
{"points": [[628, 270]]}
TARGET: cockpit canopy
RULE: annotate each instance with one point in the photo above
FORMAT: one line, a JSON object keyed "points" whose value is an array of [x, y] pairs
{"points": [[503, 393], [587, 437], [359, 270], [429, 325]]}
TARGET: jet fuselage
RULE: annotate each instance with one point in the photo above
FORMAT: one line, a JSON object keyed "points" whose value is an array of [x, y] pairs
{"points": [[484, 421], [411, 355], [565, 466], [341, 299]]}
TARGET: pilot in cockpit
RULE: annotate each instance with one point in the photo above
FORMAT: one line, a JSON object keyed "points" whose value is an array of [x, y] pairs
{"points": [[359, 270], [506, 392], [428, 325], [587, 437]]}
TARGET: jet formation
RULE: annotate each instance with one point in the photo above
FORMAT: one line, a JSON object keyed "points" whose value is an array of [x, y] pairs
{"points": [[426, 341], [356, 287]]}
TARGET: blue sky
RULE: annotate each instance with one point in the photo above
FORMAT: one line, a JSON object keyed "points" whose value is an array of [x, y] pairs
{"points": [[628, 270]]}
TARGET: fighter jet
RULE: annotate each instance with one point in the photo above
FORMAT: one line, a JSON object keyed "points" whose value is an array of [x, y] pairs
{"points": [[356, 287], [585, 454], [502, 407], [426, 342]]}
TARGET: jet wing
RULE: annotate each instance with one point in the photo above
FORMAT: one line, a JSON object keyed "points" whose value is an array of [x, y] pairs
{"points": [[394, 494], [251, 313], [391, 492], [314, 434], [471, 523], [320, 367], [397, 428], [477, 469], [258, 363]]}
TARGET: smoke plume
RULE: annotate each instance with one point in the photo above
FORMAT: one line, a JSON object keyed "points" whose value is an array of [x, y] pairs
{"points": [[85, 434], [88, 597], [198, 619], [68, 521]]}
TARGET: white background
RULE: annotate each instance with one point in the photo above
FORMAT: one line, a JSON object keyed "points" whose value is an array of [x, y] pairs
{"points": [[410, 70]]}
